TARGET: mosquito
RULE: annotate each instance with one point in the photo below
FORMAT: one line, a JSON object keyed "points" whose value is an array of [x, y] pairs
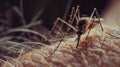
{"points": [[84, 24]]}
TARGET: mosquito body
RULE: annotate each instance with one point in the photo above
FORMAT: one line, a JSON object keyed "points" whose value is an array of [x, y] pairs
{"points": [[87, 23], [84, 24]]}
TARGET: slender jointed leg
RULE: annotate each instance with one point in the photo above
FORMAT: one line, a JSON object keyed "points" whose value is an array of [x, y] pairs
{"points": [[57, 47], [92, 14], [61, 20], [79, 33], [97, 15], [88, 34], [78, 41], [99, 19]]}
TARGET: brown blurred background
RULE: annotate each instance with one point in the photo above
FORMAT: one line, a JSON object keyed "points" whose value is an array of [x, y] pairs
{"points": [[49, 10]]}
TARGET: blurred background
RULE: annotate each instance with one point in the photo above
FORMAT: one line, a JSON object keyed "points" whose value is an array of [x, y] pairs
{"points": [[17, 12], [26, 25]]}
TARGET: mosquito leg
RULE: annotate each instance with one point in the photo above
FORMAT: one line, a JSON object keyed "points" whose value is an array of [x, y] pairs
{"points": [[79, 33], [75, 14], [54, 25], [61, 31], [78, 41], [59, 19], [78, 15], [71, 16], [68, 24], [93, 12], [57, 47], [88, 34], [77, 19], [99, 20]]}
